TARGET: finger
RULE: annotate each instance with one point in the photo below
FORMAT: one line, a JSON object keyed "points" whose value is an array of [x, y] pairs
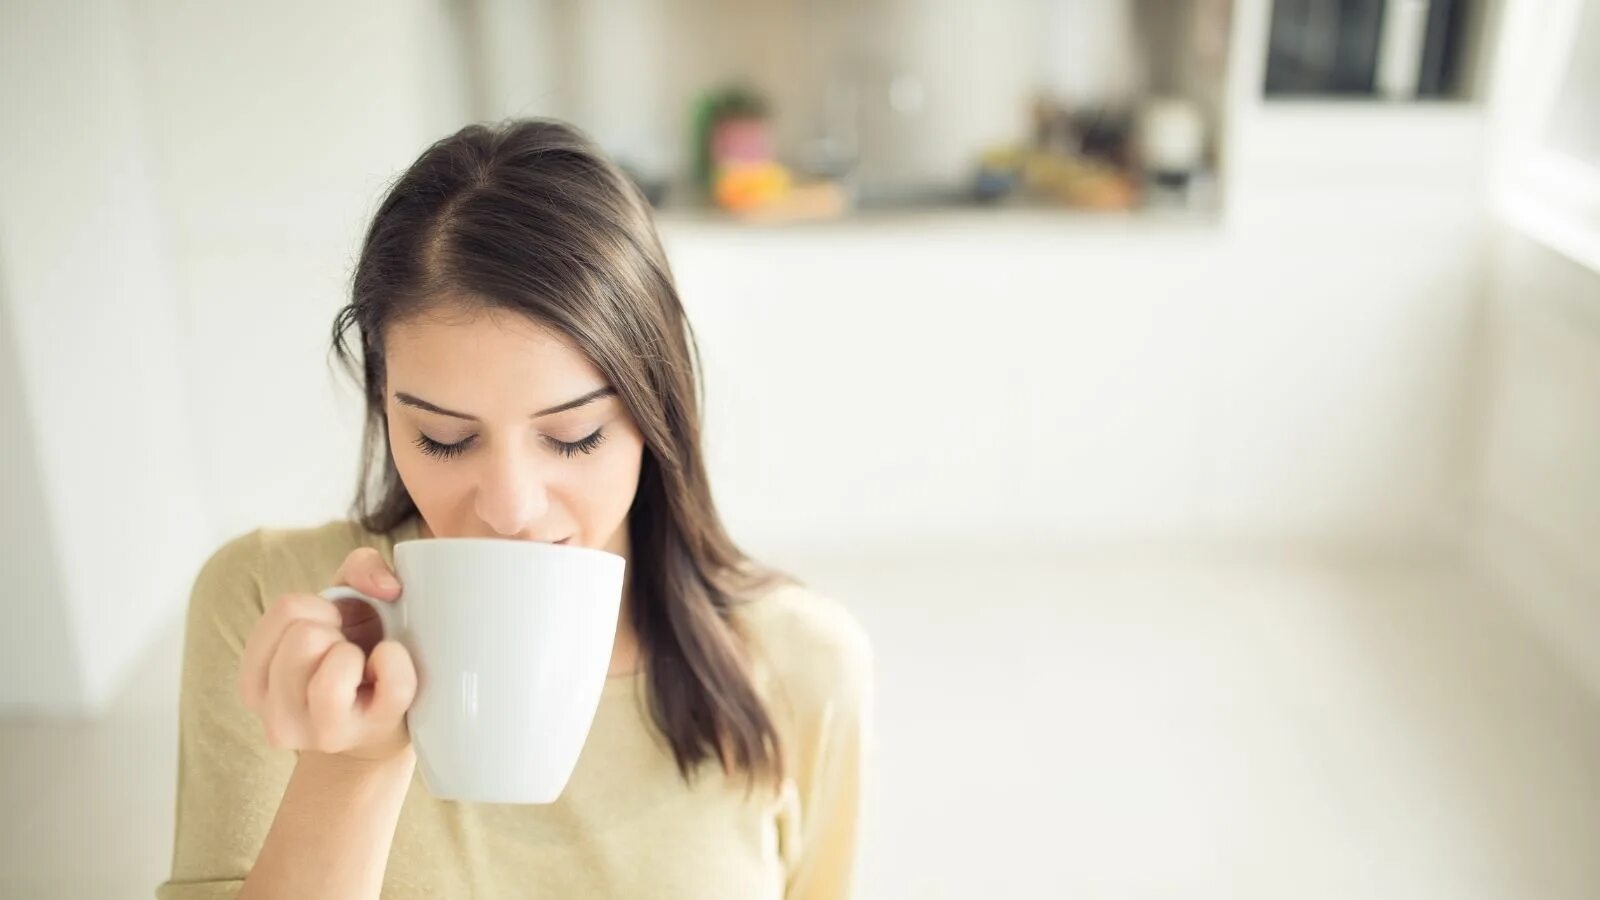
{"points": [[366, 571], [331, 697], [394, 683], [263, 640], [304, 645]]}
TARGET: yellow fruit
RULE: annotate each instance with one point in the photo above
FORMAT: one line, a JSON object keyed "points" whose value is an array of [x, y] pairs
{"points": [[750, 186]]}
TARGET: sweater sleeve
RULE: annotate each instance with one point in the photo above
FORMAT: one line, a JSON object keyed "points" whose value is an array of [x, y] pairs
{"points": [[830, 681], [832, 802], [230, 780]]}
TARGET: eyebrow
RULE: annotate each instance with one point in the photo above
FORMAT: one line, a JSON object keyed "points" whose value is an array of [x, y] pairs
{"points": [[586, 399]]}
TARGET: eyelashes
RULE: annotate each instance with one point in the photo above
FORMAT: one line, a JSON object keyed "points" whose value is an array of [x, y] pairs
{"points": [[448, 451], [444, 451], [585, 445]]}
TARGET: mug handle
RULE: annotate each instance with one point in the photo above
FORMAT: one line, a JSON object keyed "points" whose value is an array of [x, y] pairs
{"points": [[388, 613]]}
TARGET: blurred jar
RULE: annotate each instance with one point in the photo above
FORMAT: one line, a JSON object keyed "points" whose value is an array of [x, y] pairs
{"points": [[1171, 144]]}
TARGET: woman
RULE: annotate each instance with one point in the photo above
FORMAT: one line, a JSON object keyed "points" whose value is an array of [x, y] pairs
{"points": [[528, 374]]}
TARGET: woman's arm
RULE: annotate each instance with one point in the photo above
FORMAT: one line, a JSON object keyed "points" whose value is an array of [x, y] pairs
{"points": [[229, 780], [833, 765], [332, 833], [832, 804], [257, 820]]}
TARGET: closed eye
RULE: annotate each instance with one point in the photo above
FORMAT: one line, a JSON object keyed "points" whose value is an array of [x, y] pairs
{"points": [[442, 450], [586, 445], [568, 449]]}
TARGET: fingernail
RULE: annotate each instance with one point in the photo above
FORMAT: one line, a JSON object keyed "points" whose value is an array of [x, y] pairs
{"points": [[387, 582]]}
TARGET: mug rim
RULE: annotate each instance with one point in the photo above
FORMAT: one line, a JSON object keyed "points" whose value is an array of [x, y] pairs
{"points": [[542, 546]]}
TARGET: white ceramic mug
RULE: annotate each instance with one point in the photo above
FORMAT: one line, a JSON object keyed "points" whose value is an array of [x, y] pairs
{"points": [[512, 641]]}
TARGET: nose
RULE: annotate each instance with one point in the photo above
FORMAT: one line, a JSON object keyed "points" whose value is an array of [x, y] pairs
{"points": [[511, 494]]}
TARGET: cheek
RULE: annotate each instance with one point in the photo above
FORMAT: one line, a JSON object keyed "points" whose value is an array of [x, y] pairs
{"points": [[435, 487], [609, 484], [413, 476]]}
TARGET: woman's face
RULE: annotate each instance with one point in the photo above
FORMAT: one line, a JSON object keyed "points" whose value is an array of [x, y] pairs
{"points": [[500, 428]]}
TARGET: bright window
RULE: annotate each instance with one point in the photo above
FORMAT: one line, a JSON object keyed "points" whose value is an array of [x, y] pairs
{"points": [[1547, 115]]}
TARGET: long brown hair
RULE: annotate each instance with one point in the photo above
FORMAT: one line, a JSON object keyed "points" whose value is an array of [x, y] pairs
{"points": [[528, 215]]}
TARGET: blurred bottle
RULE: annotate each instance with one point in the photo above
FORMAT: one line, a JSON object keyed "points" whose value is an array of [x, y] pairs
{"points": [[1171, 141]]}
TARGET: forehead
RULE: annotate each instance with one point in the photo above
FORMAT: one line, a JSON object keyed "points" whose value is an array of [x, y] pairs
{"points": [[483, 356]]}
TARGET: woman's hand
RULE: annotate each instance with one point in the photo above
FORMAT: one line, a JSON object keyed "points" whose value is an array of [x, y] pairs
{"points": [[319, 678]]}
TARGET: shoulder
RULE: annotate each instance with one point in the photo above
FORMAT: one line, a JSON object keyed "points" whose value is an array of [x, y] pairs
{"points": [[252, 568], [305, 559], [813, 650]]}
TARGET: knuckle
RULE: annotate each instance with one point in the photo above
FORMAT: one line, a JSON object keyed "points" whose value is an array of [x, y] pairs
{"points": [[297, 608], [276, 737], [329, 740], [290, 649], [326, 721], [303, 636], [322, 700], [405, 686], [362, 560], [392, 654], [363, 555], [293, 606], [325, 693]]}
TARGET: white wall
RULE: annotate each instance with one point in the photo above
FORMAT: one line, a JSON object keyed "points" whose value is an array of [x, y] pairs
{"points": [[988, 385], [39, 666], [113, 517], [271, 165], [1538, 504], [186, 188]]}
